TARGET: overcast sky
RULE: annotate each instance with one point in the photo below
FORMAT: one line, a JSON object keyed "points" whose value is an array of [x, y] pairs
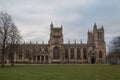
{"points": [[33, 17]]}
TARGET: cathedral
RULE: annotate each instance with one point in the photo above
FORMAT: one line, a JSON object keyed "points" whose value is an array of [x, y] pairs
{"points": [[58, 52]]}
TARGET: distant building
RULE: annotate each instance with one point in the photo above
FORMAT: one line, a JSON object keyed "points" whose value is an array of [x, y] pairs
{"points": [[56, 51]]}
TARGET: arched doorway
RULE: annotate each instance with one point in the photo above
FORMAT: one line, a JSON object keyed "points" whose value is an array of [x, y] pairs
{"points": [[38, 59], [56, 52], [93, 60], [46, 59], [42, 59]]}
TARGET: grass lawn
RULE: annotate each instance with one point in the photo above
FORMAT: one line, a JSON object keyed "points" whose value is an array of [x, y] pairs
{"points": [[60, 72]]}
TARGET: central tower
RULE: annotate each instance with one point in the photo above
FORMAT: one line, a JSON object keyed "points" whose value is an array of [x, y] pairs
{"points": [[56, 35], [55, 42]]}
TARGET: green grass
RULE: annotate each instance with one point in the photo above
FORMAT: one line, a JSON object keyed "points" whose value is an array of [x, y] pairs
{"points": [[60, 72]]}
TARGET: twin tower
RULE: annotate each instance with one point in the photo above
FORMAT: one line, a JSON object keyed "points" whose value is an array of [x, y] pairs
{"points": [[94, 51]]}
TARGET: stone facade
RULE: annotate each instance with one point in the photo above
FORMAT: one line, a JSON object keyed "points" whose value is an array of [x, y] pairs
{"points": [[56, 51]]}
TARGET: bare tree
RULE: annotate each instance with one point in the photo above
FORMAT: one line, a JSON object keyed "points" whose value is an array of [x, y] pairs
{"points": [[114, 51], [13, 40], [8, 34]]}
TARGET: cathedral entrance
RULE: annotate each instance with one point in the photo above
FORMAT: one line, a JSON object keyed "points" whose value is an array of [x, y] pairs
{"points": [[93, 60]]}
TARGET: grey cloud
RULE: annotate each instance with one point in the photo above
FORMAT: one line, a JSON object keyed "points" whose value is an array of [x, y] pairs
{"points": [[33, 17]]}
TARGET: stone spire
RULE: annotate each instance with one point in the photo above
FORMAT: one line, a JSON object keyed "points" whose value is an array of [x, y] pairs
{"points": [[102, 27], [95, 26], [51, 25], [42, 42], [68, 41], [30, 42], [61, 26], [24, 42], [81, 41], [36, 42], [75, 41]]}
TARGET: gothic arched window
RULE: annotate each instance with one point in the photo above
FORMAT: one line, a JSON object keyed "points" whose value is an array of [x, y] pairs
{"points": [[100, 54], [72, 53], [56, 52], [84, 53], [78, 53], [66, 53]]}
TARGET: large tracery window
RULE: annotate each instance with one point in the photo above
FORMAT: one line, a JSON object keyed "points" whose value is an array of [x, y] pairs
{"points": [[78, 53], [84, 53], [100, 54], [99, 35], [66, 53], [72, 53], [56, 52]]}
